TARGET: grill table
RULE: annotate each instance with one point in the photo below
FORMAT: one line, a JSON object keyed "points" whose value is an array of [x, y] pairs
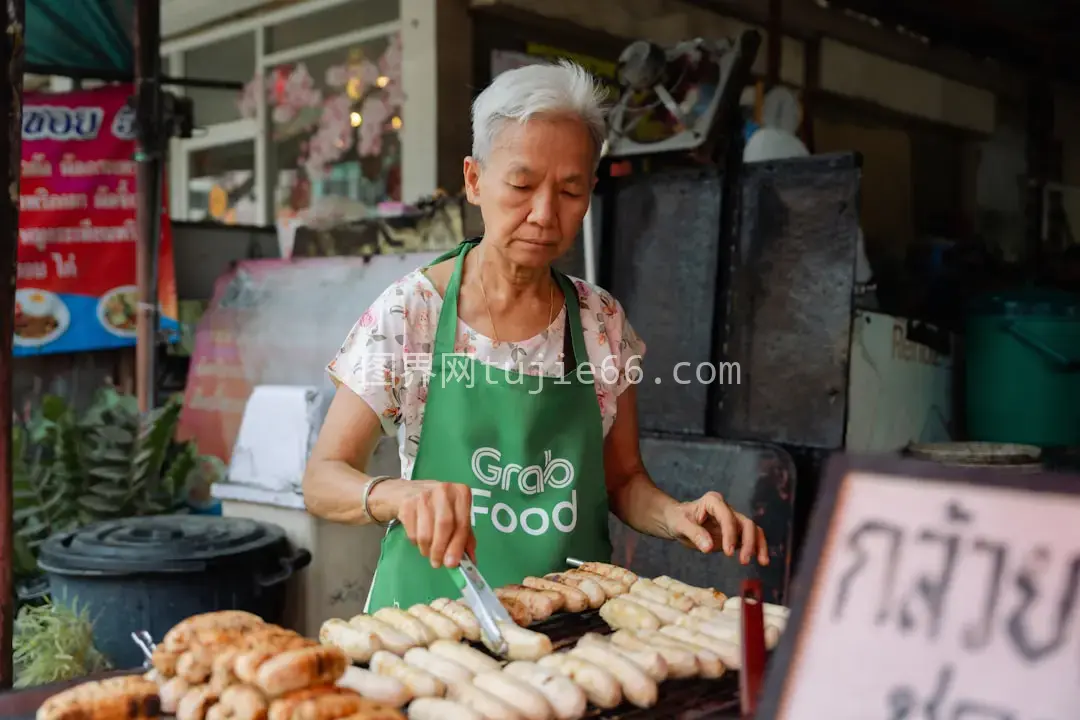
{"points": [[690, 699]]}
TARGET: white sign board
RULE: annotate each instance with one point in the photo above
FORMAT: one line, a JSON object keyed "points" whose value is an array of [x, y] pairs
{"points": [[935, 594]]}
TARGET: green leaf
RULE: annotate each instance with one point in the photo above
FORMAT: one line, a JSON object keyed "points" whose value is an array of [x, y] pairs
{"points": [[108, 454], [98, 505], [24, 514], [115, 434], [53, 407], [110, 492], [109, 473]]}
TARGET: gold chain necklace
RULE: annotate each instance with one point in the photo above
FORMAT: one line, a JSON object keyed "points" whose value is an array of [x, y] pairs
{"points": [[487, 305]]}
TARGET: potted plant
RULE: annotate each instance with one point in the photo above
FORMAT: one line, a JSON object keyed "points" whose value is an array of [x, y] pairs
{"points": [[72, 469]]}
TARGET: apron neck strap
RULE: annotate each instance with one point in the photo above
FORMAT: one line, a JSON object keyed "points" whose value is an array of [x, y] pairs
{"points": [[446, 333], [573, 315]]}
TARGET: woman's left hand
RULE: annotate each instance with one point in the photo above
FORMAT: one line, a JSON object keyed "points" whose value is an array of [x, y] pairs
{"points": [[710, 524]]}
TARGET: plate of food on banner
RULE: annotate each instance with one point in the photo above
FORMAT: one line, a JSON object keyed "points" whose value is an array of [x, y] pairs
{"points": [[40, 317], [117, 311]]}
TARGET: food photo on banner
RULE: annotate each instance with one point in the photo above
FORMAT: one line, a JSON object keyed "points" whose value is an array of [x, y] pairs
{"points": [[75, 287]]}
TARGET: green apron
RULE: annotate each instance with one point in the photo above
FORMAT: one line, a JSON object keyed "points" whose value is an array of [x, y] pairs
{"points": [[531, 449]]}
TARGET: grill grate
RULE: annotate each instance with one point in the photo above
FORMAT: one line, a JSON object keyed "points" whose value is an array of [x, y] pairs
{"points": [[691, 699]]}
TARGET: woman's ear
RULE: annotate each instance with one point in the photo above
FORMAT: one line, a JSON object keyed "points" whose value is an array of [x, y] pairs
{"points": [[471, 171]]}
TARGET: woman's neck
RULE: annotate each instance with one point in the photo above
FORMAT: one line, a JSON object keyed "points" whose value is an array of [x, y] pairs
{"points": [[506, 282]]}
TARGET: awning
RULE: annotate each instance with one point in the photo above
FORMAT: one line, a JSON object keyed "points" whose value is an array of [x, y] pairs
{"points": [[80, 38]]}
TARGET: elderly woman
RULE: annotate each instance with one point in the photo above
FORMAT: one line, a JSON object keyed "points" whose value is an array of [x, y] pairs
{"points": [[510, 379]]}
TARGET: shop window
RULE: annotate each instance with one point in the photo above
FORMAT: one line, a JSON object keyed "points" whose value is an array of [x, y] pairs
{"points": [[230, 59], [221, 184], [317, 26], [336, 117]]}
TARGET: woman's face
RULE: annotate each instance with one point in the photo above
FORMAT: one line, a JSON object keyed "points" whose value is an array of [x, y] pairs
{"points": [[534, 188]]}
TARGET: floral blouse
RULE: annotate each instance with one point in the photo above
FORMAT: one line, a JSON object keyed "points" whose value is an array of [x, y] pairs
{"points": [[386, 355]]}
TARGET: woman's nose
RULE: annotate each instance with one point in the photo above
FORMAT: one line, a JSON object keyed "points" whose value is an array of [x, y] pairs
{"points": [[544, 208]]}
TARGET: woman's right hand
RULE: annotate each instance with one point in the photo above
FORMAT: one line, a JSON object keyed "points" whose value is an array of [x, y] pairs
{"points": [[437, 517]]}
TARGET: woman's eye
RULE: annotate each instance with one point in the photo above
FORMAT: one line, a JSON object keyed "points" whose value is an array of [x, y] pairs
{"points": [[569, 194], [519, 187]]}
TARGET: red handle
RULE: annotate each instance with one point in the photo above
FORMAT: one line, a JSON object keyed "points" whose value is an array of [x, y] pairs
{"points": [[753, 647]]}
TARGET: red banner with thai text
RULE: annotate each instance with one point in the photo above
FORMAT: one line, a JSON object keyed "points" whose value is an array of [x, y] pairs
{"points": [[75, 288]]}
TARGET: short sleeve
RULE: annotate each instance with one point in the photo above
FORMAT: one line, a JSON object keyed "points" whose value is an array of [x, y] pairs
{"points": [[628, 348], [371, 362]]}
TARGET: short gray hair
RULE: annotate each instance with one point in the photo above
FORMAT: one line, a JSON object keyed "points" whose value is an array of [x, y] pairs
{"points": [[536, 90]]}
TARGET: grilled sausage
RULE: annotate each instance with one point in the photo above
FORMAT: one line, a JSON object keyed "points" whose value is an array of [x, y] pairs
{"points": [[648, 589], [304, 667], [419, 682], [240, 702], [403, 622], [461, 615], [468, 657], [590, 587], [195, 703], [446, 670], [358, 645], [325, 702], [184, 631], [541, 604], [638, 688], [519, 612], [728, 652], [621, 614], [710, 665], [251, 658], [735, 603], [439, 709], [611, 571], [390, 637], [331, 706], [574, 600], [775, 620], [707, 597], [517, 693], [164, 661], [611, 587], [170, 692], [127, 697], [650, 661], [525, 644], [600, 686], [680, 663], [442, 626], [196, 664], [483, 702], [667, 614], [728, 626], [566, 699], [380, 688]]}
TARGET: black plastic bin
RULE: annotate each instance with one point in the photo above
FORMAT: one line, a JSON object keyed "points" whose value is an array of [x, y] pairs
{"points": [[149, 573]]}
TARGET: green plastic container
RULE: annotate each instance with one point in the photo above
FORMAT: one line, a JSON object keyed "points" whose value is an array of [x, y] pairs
{"points": [[1023, 368]]}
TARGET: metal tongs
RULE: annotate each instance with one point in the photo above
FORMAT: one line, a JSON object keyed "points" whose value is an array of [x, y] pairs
{"points": [[146, 643], [482, 600]]}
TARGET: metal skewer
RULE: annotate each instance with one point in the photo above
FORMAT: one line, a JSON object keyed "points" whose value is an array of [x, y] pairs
{"points": [[574, 562], [146, 643]]}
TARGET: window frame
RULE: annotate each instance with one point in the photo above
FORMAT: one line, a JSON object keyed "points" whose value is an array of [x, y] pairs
{"points": [[419, 103]]}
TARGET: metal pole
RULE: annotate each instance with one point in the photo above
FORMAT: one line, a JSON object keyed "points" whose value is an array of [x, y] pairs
{"points": [[148, 154], [11, 160]]}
